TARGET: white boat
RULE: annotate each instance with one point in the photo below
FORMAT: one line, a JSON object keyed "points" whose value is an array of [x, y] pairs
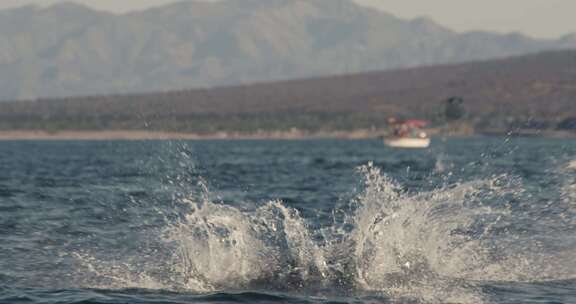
{"points": [[407, 142], [408, 134]]}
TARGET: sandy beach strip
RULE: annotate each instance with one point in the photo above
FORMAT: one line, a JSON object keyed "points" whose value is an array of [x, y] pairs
{"points": [[153, 135], [262, 135]]}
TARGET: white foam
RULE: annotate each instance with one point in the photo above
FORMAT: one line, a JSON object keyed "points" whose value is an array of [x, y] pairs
{"points": [[571, 165], [431, 246]]}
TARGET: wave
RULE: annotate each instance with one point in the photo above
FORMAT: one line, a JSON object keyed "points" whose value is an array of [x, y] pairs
{"points": [[434, 246]]}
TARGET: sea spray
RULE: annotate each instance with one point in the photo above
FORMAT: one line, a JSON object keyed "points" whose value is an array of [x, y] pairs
{"points": [[221, 247], [569, 184], [435, 246], [419, 245], [218, 248]]}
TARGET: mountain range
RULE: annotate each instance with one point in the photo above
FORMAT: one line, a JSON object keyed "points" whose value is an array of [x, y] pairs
{"points": [[72, 50]]}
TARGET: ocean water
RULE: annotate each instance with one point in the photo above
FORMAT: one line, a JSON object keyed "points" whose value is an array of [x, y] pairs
{"points": [[483, 220]]}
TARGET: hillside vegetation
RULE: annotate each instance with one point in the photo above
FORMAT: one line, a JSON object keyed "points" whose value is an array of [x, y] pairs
{"points": [[535, 91]]}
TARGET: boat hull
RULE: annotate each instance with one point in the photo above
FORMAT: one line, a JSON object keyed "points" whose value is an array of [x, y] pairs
{"points": [[407, 143]]}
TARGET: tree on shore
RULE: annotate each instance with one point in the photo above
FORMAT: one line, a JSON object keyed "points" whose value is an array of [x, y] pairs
{"points": [[567, 124], [454, 109]]}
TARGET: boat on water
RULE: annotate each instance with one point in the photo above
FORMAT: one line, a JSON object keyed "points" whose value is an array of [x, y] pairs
{"points": [[408, 134], [408, 143]]}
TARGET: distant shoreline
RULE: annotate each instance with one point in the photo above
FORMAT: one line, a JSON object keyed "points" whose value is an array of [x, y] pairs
{"points": [[264, 135], [158, 135]]}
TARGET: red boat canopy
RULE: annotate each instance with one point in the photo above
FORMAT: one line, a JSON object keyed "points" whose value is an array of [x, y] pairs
{"points": [[418, 123], [414, 123]]}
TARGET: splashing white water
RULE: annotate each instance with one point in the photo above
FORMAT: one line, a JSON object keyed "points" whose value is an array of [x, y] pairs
{"points": [[431, 246], [220, 247], [115, 273], [416, 244], [569, 190], [571, 165]]}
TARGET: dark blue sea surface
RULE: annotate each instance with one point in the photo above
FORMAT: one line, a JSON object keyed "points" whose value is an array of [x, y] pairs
{"points": [[481, 220]]}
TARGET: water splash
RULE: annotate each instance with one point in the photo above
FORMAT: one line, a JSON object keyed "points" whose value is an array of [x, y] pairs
{"points": [[442, 165], [571, 165], [118, 273], [569, 190], [221, 247], [421, 245], [434, 246]]}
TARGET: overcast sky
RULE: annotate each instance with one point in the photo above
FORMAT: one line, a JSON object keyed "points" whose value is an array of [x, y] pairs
{"points": [[539, 18]]}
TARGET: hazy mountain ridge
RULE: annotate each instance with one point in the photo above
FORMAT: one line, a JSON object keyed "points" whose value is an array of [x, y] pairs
{"points": [[68, 49]]}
